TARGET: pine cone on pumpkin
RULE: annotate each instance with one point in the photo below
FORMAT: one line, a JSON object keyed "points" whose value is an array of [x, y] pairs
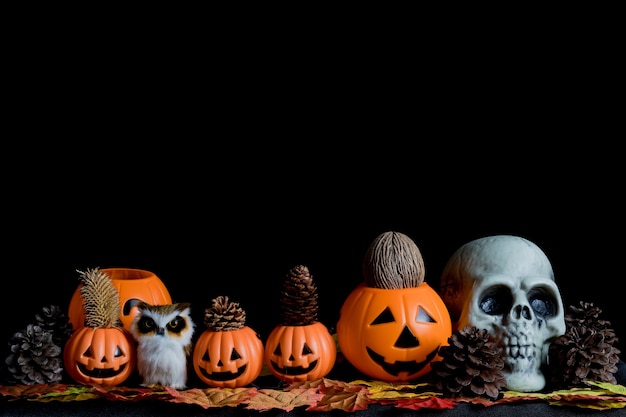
{"points": [[586, 351], [470, 366], [224, 315], [299, 298]]}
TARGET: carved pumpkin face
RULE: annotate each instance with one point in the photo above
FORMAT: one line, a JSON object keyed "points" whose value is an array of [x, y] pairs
{"points": [[103, 355], [300, 353], [228, 359], [133, 285], [393, 334]]}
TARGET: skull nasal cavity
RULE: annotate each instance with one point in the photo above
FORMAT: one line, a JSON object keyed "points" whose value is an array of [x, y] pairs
{"points": [[407, 339], [522, 312]]}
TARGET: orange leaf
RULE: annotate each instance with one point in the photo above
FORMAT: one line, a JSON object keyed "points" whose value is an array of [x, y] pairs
{"points": [[286, 400], [348, 398], [229, 397]]}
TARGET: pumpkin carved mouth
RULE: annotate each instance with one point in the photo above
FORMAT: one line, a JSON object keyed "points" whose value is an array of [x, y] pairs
{"points": [[223, 376], [410, 367], [294, 370], [101, 372]]}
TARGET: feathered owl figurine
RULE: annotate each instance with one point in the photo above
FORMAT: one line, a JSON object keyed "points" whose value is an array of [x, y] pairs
{"points": [[163, 334]]}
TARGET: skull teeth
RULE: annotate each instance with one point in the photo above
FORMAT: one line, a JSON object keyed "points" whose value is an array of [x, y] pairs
{"points": [[520, 352]]}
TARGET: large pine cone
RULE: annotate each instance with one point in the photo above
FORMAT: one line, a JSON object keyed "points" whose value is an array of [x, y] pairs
{"points": [[299, 298], [586, 351], [35, 353], [471, 365], [34, 358], [224, 315]]}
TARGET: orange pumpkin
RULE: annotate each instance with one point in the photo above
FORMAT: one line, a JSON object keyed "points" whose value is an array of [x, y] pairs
{"points": [[228, 359], [391, 326], [300, 348], [300, 353], [393, 334], [133, 285], [228, 353], [101, 355]]}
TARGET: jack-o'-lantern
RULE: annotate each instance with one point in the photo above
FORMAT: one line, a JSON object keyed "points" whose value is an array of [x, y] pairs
{"points": [[301, 348], [228, 354], [102, 351], [104, 355], [392, 325], [133, 285]]}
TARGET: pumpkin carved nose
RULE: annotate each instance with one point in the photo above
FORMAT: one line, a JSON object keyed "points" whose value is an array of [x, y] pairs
{"points": [[406, 339]]}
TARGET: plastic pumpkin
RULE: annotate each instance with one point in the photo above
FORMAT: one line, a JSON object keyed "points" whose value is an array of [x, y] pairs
{"points": [[300, 353], [228, 353], [102, 351], [300, 348], [133, 285], [392, 325], [103, 356]]}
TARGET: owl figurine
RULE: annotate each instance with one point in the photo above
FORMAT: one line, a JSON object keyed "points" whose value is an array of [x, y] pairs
{"points": [[163, 334]]}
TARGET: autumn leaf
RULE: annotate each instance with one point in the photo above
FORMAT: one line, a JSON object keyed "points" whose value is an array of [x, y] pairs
{"points": [[344, 397], [116, 392], [433, 403], [229, 397], [267, 399]]}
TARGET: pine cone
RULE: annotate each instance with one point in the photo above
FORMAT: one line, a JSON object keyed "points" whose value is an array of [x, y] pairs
{"points": [[586, 351], [34, 358], [53, 319], [471, 365], [224, 315], [299, 298]]}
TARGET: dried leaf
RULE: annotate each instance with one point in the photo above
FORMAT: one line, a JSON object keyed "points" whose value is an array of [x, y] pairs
{"points": [[434, 403], [267, 399], [347, 398], [116, 392], [191, 396], [229, 397]]}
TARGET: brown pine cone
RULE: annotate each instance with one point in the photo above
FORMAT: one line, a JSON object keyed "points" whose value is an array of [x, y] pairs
{"points": [[224, 315], [299, 298], [586, 351], [34, 358], [470, 366]]}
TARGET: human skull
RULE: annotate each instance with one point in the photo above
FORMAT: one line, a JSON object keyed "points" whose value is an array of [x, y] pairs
{"points": [[505, 284]]}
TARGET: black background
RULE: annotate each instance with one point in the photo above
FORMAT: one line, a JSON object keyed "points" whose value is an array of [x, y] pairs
{"points": [[210, 222], [220, 171]]}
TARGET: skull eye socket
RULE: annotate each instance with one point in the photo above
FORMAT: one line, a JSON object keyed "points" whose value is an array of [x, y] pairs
{"points": [[542, 302], [496, 301]]}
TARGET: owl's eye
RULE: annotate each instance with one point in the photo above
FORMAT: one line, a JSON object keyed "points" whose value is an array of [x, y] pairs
{"points": [[146, 324], [176, 325]]}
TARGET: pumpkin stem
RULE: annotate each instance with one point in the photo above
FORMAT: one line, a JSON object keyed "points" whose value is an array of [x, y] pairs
{"points": [[101, 299], [393, 261]]}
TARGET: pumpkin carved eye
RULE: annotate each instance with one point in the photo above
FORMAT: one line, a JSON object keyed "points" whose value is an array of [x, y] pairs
{"points": [[423, 316], [385, 317]]}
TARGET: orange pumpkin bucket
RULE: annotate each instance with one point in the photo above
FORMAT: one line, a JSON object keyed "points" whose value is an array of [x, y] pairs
{"points": [[392, 325], [133, 285]]}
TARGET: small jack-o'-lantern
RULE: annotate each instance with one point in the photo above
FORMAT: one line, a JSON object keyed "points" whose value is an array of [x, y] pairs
{"points": [[133, 285], [300, 348], [228, 353], [104, 355], [102, 351], [392, 325]]}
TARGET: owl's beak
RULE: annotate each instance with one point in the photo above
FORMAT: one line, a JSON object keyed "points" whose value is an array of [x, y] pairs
{"points": [[160, 331]]}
